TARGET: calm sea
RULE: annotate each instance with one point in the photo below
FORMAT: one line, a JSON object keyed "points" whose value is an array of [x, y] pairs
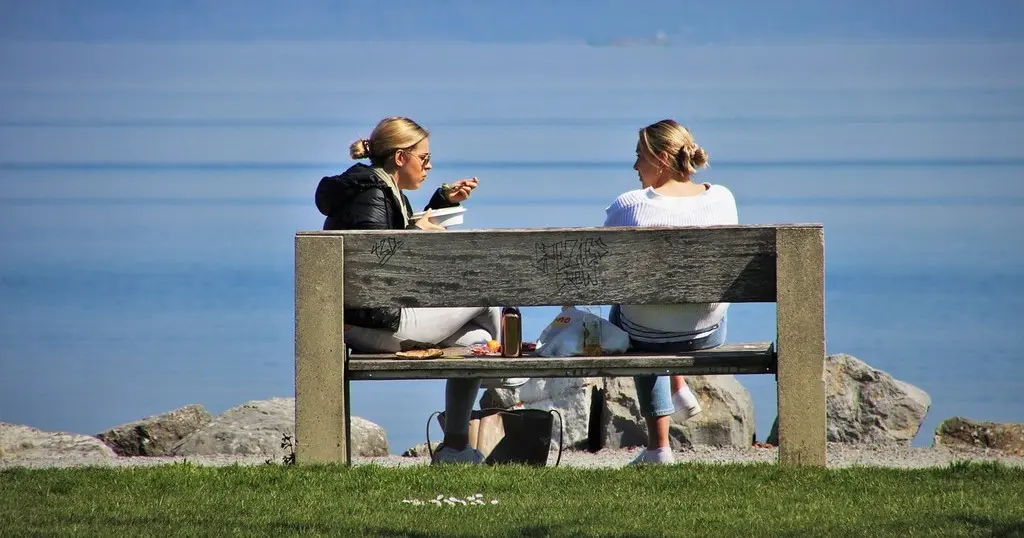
{"points": [[147, 215]]}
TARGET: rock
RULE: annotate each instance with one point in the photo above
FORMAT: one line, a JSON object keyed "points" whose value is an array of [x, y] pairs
{"points": [[959, 431], [156, 435], [24, 442], [621, 424], [866, 405], [727, 418], [571, 397], [255, 428], [420, 450], [500, 398], [368, 439], [258, 428]]}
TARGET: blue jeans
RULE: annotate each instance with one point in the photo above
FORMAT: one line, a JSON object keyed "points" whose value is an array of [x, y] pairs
{"points": [[654, 393]]}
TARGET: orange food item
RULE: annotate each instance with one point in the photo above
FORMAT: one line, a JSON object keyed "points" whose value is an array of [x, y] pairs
{"points": [[493, 346]]}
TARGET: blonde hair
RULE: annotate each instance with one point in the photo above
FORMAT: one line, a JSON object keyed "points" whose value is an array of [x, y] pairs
{"points": [[389, 136], [684, 155]]}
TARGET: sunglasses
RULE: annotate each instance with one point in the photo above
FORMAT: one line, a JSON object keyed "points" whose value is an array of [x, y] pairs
{"points": [[424, 157]]}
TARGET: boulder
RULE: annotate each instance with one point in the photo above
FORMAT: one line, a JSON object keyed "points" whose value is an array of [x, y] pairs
{"points": [[368, 439], [420, 450], [24, 442], [867, 405], [959, 431], [571, 397], [727, 418], [620, 424], [259, 427], [156, 435]]}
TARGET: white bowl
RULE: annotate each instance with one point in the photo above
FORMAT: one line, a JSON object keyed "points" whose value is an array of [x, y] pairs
{"points": [[449, 216]]}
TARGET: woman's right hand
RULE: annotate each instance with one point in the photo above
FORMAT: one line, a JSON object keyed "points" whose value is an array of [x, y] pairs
{"points": [[425, 224]]}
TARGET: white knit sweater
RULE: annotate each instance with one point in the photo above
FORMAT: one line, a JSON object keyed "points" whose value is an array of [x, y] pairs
{"points": [[644, 207]]}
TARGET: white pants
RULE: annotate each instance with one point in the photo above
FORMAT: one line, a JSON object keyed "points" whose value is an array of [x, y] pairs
{"points": [[429, 327], [436, 327]]}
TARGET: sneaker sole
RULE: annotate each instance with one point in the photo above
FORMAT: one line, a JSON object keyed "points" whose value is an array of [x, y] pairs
{"points": [[688, 413]]}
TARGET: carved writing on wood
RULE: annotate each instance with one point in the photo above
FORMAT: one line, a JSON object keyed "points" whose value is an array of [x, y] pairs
{"points": [[575, 263], [385, 249]]}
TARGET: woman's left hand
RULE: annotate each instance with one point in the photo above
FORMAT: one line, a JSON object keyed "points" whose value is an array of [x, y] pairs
{"points": [[461, 189]]}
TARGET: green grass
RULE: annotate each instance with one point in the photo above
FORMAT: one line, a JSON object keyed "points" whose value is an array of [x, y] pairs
{"points": [[692, 499]]}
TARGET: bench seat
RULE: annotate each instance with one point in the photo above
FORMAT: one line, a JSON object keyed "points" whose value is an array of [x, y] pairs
{"points": [[739, 358]]}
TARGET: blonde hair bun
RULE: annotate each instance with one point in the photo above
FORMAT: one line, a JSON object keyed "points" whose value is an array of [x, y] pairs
{"points": [[699, 159], [360, 149]]}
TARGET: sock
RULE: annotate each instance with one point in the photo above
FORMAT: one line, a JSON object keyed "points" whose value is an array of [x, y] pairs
{"points": [[684, 398]]}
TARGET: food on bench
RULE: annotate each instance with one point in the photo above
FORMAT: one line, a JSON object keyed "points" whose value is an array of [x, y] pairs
{"points": [[432, 353], [481, 349], [493, 346], [490, 350]]}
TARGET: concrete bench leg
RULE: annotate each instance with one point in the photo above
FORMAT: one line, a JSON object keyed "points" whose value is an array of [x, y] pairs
{"points": [[321, 390], [801, 340]]}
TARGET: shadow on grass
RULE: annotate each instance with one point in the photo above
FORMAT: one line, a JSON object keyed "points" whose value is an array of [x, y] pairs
{"points": [[173, 526], [994, 527], [532, 531]]}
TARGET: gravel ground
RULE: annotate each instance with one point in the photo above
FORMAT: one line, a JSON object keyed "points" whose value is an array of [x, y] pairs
{"points": [[839, 455]]}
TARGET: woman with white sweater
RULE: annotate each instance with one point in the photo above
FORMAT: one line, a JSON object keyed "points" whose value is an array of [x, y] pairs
{"points": [[667, 157]]}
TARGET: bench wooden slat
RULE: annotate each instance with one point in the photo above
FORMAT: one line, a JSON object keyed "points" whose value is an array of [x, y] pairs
{"points": [[559, 266], [741, 358]]}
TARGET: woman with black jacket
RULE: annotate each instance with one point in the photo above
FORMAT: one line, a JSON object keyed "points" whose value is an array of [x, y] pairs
{"points": [[371, 198]]}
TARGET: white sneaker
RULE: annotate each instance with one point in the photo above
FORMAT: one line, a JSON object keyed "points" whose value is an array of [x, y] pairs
{"points": [[685, 402], [445, 455], [504, 383], [692, 411], [660, 456]]}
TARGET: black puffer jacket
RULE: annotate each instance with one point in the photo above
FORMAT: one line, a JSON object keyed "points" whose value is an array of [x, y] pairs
{"points": [[357, 199]]}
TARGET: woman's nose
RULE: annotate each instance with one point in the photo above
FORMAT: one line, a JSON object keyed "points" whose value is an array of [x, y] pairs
{"points": [[636, 165]]}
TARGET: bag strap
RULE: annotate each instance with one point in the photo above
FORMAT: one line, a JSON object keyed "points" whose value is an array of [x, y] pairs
{"points": [[430, 448], [561, 434]]}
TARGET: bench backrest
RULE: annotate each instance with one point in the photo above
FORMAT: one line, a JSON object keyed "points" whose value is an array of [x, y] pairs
{"points": [[555, 266]]}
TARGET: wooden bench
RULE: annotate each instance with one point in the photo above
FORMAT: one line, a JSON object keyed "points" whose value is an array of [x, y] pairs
{"points": [[539, 267]]}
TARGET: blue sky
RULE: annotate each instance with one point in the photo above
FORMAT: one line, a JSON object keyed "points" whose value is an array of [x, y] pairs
{"points": [[742, 21]]}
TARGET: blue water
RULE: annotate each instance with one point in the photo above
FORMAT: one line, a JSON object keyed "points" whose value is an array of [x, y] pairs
{"points": [[146, 226]]}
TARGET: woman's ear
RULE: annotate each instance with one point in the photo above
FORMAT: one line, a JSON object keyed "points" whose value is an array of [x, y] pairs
{"points": [[400, 158], [663, 159]]}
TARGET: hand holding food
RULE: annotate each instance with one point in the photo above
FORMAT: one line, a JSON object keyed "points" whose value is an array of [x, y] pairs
{"points": [[460, 190]]}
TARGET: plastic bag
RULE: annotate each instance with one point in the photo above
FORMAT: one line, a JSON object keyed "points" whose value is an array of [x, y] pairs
{"points": [[575, 332]]}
